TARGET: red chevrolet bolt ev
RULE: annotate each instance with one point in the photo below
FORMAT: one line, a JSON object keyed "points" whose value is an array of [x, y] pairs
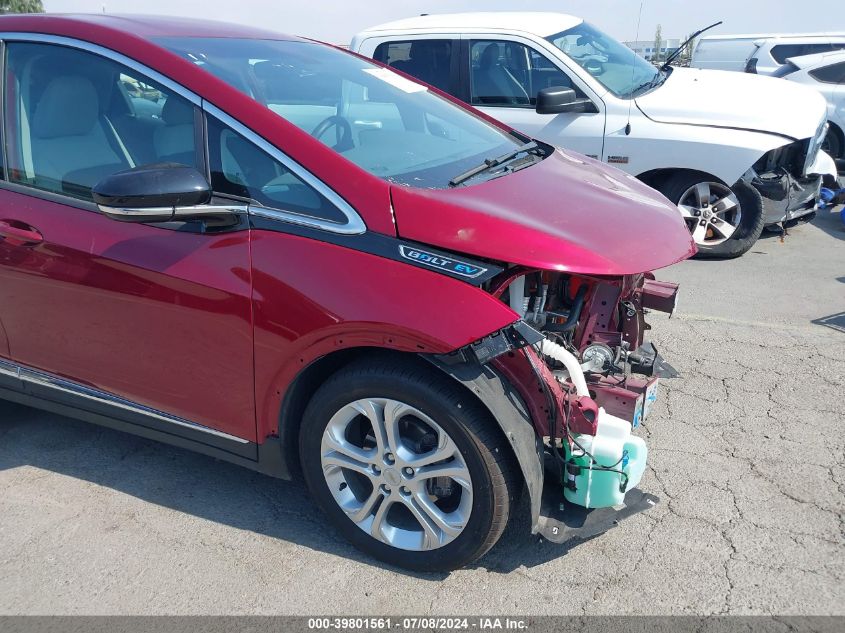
{"points": [[277, 253]]}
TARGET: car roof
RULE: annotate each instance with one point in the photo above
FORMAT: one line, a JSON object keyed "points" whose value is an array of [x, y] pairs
{"points": [[535, 22], [772, 36], [145, 26], [809, 61], [806, 39]]}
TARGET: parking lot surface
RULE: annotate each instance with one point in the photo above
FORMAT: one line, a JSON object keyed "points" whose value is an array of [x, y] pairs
{"points": [[746, 454]]}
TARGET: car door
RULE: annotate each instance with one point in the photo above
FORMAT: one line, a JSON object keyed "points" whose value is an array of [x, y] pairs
{"points": [[504, 76], [152, 322]]}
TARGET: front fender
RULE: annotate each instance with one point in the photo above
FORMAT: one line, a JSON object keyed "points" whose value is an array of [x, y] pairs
{"points": [[312, 298], [511, 414], [724, 153]]}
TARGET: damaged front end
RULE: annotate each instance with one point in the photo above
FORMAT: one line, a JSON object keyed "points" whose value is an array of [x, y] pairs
{"points": [[576, 379], [789, 179]]}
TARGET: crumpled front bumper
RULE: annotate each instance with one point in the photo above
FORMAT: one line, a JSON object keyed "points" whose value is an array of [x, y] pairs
{"points": [[785, 197]]}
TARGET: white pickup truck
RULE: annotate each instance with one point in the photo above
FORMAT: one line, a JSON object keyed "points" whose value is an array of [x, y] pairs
{"points": [[735, 152]]}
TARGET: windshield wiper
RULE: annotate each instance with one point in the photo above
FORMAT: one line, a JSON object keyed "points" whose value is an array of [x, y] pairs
{"points": [[647, 85], [490, 163], [659, 77], [674, 54]]}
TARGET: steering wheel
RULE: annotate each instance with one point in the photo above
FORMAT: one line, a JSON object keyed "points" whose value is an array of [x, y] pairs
{"points": [[344, 131]]}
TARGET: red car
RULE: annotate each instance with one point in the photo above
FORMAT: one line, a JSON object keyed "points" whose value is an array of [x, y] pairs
{"points": [[280, 254]]}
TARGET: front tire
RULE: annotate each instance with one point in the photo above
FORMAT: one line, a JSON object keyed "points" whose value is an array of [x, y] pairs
{"points": [[407, 465], [724, 221]]}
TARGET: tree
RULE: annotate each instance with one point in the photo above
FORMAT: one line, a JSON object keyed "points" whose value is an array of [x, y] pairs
{"points": [[657, 56], [21, 6], [685, 58]]}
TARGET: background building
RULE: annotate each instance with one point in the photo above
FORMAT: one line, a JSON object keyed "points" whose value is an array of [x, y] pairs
{"points": [[646, 48]]}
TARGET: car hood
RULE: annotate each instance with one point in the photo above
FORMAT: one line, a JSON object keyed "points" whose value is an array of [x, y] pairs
{"points": [[735, 100], [567, 213]]}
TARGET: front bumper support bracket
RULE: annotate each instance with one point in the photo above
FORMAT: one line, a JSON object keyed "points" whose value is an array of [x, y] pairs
{"points": [[561, 521]]}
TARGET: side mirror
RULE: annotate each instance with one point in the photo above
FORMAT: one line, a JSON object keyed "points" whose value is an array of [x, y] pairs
{"points": [[558, 99], [161, 192]]}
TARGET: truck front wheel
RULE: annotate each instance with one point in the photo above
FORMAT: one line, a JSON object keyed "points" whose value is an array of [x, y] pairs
{"points": [[724, 221]]}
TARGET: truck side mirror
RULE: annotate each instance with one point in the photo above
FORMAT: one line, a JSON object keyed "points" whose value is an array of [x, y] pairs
{"points": [[558, 99]]}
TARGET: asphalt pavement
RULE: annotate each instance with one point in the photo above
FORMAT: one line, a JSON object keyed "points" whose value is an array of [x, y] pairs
{"points": [[747, 456]]}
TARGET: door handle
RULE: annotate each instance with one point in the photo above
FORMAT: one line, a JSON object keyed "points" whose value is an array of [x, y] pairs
{"points": [[19, 235]]}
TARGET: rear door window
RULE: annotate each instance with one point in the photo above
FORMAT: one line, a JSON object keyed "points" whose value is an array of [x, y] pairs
{"points": [[427, 60]]}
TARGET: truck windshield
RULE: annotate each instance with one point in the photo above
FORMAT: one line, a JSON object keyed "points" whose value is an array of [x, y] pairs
{"points": [[391, 126], [615, 66]]}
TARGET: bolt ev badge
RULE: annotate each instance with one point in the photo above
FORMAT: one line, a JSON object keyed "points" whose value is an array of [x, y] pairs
{"points": [[440, 262]]}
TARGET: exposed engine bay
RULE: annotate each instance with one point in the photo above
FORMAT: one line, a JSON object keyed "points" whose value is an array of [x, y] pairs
{"points": [[598, 322], [583, 340]]}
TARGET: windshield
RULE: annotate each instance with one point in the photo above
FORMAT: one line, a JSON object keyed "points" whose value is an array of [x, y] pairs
{"points": [[614, 65], [391, 126]]}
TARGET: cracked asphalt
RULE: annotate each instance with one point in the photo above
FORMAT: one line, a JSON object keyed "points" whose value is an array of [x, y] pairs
{"points": [[747, 455]]}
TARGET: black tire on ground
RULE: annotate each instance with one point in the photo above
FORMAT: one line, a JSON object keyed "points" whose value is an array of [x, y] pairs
{"points": [[751, 221], [495, 474]]}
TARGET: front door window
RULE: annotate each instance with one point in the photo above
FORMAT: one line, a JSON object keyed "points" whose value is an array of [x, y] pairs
{"points": [[505, 73], [73, 117]]}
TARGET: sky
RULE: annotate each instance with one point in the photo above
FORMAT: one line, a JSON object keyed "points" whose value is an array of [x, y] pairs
{"points": [[336, 21]]}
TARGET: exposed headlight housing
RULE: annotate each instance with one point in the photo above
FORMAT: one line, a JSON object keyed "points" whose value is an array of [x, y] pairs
{"points": [[815, 146]]}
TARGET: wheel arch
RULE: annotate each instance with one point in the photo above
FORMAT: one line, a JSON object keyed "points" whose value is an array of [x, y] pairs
{"points": [[299, 393], [655, 178], [506, 408], [840, 135]]}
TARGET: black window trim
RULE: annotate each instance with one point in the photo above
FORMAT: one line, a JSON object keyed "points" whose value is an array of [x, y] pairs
{"points": [[463, 64]]}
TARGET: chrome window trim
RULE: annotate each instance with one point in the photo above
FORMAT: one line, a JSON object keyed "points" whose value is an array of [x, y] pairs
{"points": [[60, 40], [176, 213], [8, 368], [44, 379], [355, 224]]}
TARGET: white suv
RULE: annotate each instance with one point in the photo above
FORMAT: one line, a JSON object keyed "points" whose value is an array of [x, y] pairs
{"points": [[826, 73], [772, 52], [732, 165]]}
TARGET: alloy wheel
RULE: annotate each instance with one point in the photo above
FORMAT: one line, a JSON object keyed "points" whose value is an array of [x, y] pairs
{"points": [[396, 474], [711, 211]]}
